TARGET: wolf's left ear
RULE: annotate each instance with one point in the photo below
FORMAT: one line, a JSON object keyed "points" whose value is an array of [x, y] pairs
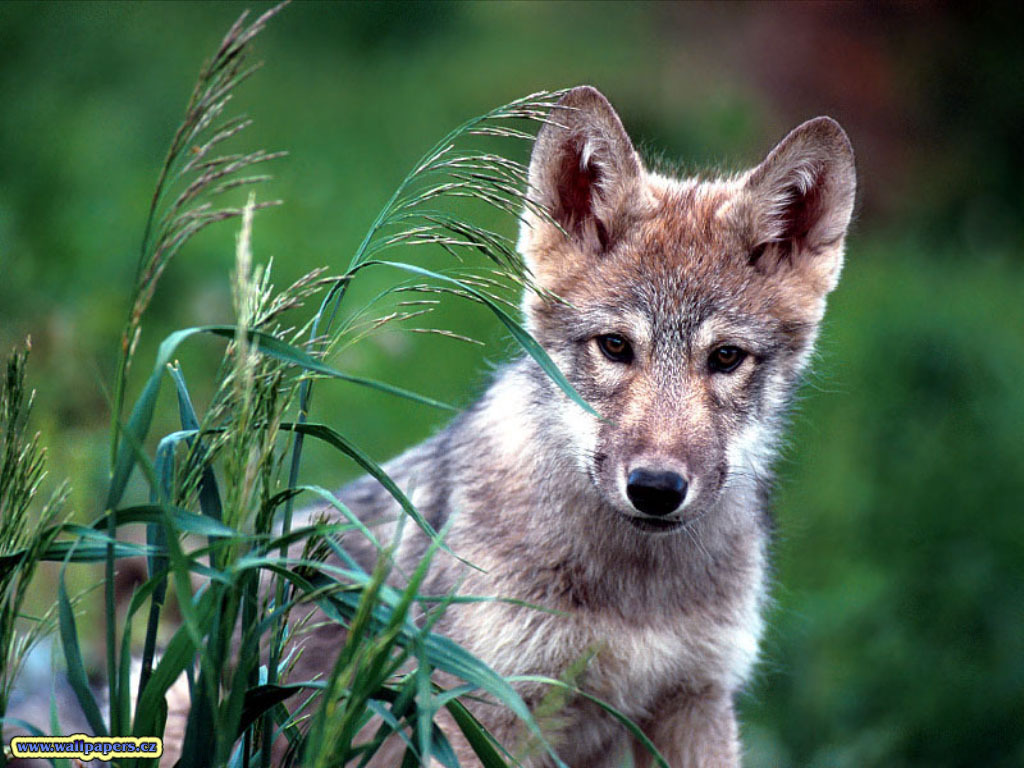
{"points": [[583, 172], [799, 201]]}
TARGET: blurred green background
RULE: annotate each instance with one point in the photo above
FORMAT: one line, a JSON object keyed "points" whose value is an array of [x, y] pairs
{"points": [[897, 634]]}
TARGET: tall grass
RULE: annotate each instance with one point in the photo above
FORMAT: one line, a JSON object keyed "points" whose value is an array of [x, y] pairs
{"points": [[220, 532], [26, 534]]}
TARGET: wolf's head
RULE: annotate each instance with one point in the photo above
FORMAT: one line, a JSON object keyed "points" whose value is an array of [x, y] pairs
{"points": [[691, 307]]}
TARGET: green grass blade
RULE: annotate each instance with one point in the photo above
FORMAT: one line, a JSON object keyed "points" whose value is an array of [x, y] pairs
{"points": [[263, 698], [177, 657], [32, 729], [155, 584], [326, 531], [450, 657], [156, 538], [441, 749], [520, 334], [55, 722], [209, 493], [75, 551], [141, 418], [289, 353], [181, 519], [425, 709], [330, 436], [77, 678], [390, 725], [477, 736], [630, 726], [351, 516]]}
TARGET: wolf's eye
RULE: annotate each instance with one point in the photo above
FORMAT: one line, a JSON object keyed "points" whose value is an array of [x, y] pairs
{"points": [[726, 359], [615, 348]]}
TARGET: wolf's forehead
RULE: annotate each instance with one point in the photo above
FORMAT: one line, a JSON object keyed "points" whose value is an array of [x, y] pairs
{"points": [[688, 218], [681, 303], [677, 312]]}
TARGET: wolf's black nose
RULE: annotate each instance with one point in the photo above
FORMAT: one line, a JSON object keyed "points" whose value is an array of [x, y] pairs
{"points": [[655, 493]]}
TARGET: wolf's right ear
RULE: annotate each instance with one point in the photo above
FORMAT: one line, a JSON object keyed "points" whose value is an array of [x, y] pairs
{"points": [[799, 201], [583, 171]]}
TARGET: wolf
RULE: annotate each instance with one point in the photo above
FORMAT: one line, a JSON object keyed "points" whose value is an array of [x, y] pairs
{"points": [[687, 311]]}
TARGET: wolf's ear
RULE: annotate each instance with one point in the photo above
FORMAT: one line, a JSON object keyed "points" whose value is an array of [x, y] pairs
{"points": [[799, 201], [583, 171]]}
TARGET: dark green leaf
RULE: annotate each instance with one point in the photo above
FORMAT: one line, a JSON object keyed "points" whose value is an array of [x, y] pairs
{"points": [[77, 677]]}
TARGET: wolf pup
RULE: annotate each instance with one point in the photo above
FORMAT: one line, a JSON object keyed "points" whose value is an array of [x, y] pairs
{"points": [[691, 309]]}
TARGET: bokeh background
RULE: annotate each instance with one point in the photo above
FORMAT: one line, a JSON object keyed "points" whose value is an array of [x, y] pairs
{"points": [[897, 634]]}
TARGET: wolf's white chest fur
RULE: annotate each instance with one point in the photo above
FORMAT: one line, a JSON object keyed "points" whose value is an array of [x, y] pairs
{"points": [[636, 665], [687, 650], [627, 664]]}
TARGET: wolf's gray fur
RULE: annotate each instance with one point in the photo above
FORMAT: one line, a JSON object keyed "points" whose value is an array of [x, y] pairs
{"points": [[667, 284]]}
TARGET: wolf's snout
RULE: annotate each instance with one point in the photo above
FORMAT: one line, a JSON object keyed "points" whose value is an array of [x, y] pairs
{"points": [[655, 493]]}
